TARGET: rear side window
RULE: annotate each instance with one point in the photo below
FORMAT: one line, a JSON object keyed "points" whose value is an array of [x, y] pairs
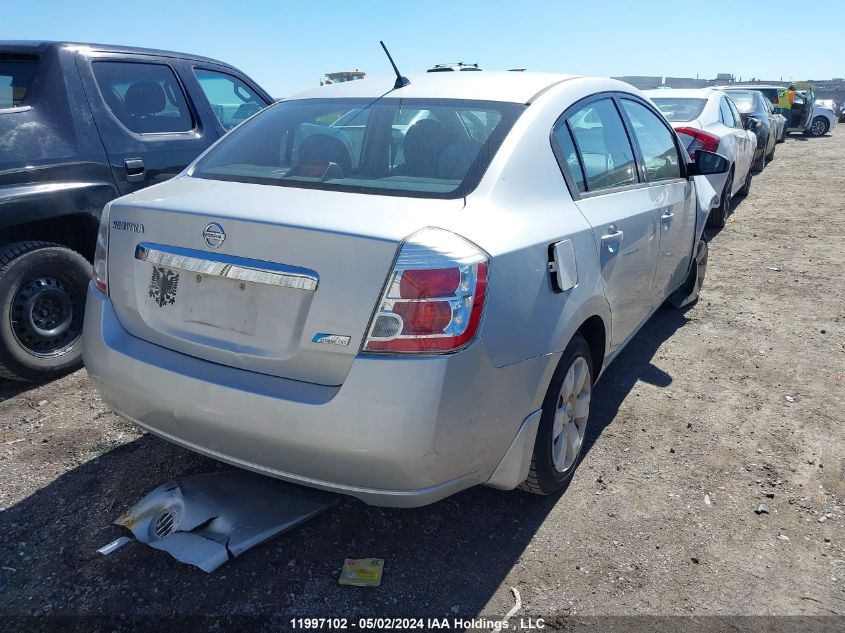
{"points": [[570, 156], [606, 153], [145, 98], [726, 115], [232, 101], [16, 75], [656, 141]]}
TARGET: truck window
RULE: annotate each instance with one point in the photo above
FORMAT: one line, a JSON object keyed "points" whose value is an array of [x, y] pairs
{"points": [[145, 98], [231, 99], [15, 77]]}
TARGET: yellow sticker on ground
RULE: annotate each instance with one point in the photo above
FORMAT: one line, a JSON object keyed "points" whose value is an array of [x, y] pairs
{"points": [[362, 572]]}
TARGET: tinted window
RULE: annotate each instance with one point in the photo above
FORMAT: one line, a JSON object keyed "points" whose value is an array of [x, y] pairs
{"points": [[231, 99], [656, 141], [569, 156], [146, 98], [414, 147], [607, 156], [15, 78], [680, 109]]}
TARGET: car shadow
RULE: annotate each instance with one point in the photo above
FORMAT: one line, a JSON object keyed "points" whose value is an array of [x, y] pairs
{"points": [[10, 388], [446, 559]]}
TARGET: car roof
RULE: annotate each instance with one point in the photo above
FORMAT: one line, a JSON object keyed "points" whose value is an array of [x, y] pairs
{"points": [[681, 93], [502, 86], [38, 47]]}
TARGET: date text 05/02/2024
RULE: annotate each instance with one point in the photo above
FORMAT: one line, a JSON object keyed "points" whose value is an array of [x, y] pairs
{"points": [[408, 624]]}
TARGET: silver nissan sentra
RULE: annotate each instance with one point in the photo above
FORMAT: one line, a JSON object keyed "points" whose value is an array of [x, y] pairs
{"points": [[398, 293]]}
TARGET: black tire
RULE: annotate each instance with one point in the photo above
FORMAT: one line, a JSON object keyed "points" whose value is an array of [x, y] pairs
{"points": [[819, 127], [543, 477], [42, 304], [771, 155], [746, 186], [719, 216], [760, 163]]}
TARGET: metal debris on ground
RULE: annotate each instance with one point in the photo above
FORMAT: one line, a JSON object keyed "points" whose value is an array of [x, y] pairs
{"points": [[761, 508], [116, 544], [204, 520], [362, 572]]}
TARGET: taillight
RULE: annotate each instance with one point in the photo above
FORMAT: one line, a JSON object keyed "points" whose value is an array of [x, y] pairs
{"points": [[434, 297], [699, 140], [101, 254]]}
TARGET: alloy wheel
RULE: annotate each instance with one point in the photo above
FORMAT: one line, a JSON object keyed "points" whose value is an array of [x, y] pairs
{"points": [[571, 413], [818, 128]]}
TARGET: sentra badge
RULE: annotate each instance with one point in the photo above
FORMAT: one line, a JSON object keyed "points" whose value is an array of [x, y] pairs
{"points": [[132, 227], [331, 339], [214, 235]]}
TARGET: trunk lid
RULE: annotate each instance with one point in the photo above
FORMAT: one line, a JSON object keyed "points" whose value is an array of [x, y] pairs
{"points": [[277, 280]]}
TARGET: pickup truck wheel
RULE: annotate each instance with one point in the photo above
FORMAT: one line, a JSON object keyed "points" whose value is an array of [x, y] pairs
{"points": [[42, 304], [563, 422], [819, 127]]}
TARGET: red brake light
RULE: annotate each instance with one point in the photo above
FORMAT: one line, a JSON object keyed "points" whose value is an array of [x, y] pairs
{"points": [[700, 140], [434, 297], [422, 284]]}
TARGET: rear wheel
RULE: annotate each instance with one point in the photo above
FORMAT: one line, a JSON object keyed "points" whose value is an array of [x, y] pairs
{"points": [[819, 127], [746, 187], [719, 216], [563, 422], [42, 303], [771, 155]]}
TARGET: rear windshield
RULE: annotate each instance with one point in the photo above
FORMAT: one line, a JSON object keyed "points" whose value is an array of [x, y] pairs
{"points": [[15, 77], [744, 100], [430, 148], [680, 109]]}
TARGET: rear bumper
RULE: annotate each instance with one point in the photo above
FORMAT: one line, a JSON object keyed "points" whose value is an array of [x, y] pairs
{"points": [[399, 432]]}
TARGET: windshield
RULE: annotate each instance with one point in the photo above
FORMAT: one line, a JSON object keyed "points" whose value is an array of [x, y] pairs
{"points": [[744, 101], [680, 109], [436, 148]]}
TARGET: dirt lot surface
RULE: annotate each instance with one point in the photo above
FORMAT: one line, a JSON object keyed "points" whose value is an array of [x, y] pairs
{"points": [[709, 412]]}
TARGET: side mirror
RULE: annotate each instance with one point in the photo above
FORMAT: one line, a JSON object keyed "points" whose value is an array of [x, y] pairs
{"points": [[752, 124], [707, 164]]}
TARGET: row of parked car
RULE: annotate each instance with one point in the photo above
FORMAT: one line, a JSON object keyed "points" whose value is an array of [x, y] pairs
{"points": [[393, 290]]}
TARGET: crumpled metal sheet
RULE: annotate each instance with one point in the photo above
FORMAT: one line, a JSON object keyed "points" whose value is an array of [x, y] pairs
{"points": [[204, 520]]}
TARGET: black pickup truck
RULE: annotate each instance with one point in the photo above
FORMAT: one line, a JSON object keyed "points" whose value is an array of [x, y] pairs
{"points": [[81, 124]]}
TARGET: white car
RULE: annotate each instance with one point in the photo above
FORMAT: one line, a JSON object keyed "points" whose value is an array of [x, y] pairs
{"points": [[399, 326], [707, 119]]}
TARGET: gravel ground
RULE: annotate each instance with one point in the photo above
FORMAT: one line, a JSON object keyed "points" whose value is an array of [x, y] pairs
{"points": [[736, 401]]}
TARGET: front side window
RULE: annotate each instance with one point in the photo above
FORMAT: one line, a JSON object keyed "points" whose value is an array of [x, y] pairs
{"points": [[145, 98], [232, 101], [414, 147], [16, 75], [656, 142], [606, 153]]}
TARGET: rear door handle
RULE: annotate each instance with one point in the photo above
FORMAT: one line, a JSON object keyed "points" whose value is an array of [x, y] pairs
{"points": [[135, 170], [612, 238], [667, 217]]}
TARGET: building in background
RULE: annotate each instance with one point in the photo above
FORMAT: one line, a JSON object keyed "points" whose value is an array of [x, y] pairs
{"points": [[342, 76]]}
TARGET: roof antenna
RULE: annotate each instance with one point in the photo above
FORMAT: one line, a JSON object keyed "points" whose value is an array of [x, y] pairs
{"points": [[401, 81]]}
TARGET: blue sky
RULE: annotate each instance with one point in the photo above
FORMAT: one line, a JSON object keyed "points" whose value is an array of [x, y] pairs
{"points": [[287, 45]]}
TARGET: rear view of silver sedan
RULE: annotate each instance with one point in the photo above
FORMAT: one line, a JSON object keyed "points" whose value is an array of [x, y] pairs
{"points": [[399, 293], [706, 118]]}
